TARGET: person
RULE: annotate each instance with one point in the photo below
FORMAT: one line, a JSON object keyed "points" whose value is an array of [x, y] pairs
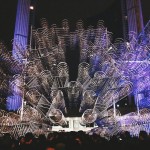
{"points": [[50, 148], [29, 143], [60, 146], [143, 135]]}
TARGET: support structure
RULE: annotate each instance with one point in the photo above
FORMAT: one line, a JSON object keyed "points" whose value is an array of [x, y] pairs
{"points": [[21, 34], [132, 23], [132, 17], [21, 26]]}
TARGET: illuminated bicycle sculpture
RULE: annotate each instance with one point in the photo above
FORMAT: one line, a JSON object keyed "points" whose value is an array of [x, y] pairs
{"points": [[107, 73]]}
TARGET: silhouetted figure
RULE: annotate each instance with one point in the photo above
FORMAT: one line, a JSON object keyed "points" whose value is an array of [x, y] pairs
{"points": [[29, 143], [144, 139]]}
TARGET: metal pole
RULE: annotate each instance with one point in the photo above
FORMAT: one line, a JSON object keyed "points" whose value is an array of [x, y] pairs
{"points": [[137, 103], [23, 95], [31, 38], [114, 108]]}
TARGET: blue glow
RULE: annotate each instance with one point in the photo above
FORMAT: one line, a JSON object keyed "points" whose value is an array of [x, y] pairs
{"points": [[21, 28], [14, 102], [20, 37]]}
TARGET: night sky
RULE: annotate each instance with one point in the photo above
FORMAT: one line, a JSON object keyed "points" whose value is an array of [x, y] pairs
{"points": [[90, 11]]}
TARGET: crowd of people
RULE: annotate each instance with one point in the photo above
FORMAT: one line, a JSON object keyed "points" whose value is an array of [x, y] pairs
{"points": [[74, 141]]}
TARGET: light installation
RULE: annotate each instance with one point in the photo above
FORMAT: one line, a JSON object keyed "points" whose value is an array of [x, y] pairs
{"points": [[40, 89]]}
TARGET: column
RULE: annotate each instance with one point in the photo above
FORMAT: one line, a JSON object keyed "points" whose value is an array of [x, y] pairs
{"points": [[132, 17], [21, 27], [132, 22]]}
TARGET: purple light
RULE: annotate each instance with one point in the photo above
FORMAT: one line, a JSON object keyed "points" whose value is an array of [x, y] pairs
{"points": [[14, 102]]}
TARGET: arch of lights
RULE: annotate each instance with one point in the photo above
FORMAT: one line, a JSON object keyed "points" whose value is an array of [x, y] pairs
{"points": [[36, 85]]}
